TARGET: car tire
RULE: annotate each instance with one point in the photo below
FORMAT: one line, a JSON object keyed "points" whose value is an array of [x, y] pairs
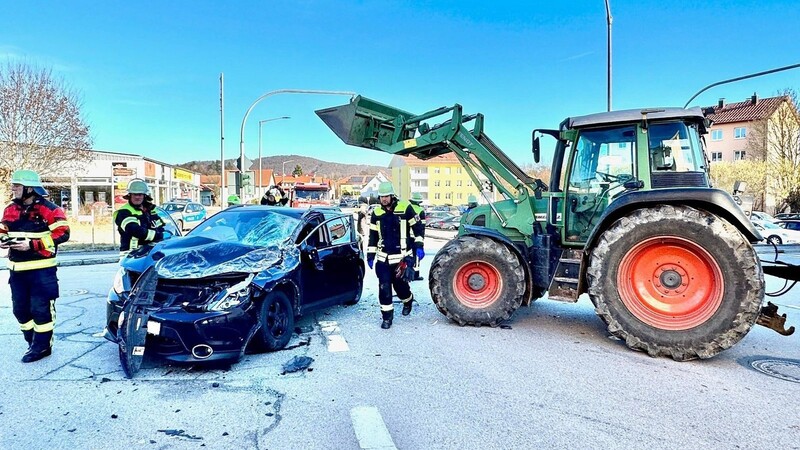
{"points": [[774, 240], [276, 318], [180, 224], [675, 281]]}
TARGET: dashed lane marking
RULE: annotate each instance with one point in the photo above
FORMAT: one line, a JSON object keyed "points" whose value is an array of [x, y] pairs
{"points": [[370, 429], [336, 342]]}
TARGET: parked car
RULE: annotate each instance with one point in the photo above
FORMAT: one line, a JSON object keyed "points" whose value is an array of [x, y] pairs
{"points": [[787, 216], [235, 282], [186, 214], [759, 215], [440, 221], [789, 224], [451, 224], [773, 234]]}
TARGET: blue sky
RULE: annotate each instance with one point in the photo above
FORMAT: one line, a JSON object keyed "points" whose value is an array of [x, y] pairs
{"points": [[149, 71]]}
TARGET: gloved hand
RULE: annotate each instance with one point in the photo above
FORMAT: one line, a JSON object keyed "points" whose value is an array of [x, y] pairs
{"points": [[370, 262], [420, 254]]}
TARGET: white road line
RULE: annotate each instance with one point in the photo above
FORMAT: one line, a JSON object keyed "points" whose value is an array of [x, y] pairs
{"points": [[336, 342], [370, 429]]}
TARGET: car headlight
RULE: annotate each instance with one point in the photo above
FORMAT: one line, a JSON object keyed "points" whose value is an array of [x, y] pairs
{"points": [[119, 281], [232, 296]]}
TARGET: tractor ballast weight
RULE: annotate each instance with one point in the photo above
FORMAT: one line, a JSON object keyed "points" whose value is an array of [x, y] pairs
{"points": [[667, 260]]}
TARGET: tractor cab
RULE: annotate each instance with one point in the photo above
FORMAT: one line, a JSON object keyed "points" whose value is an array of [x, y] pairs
{"points": [[601, 157]]}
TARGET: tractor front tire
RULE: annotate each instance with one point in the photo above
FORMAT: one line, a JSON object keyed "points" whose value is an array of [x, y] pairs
{"points": [[477, 281], [676, 281]]}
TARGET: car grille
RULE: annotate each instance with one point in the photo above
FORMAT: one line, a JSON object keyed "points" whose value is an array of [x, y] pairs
{"points": [[192, 292]]}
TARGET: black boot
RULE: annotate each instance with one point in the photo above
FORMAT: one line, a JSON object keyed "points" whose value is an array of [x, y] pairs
{"points": [[387, 319], [28, 335], [407, 306], [40, 347], [34, 355], [417, 276]]}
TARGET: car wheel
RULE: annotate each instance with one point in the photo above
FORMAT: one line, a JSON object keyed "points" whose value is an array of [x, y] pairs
{"points": [[277, 321], [774, 240], [180, 224]]}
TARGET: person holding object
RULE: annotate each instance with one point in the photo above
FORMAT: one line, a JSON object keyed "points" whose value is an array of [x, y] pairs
{"points": [[416, 200], [137, 222], [275, 196], [31, 229], [393, 243]]}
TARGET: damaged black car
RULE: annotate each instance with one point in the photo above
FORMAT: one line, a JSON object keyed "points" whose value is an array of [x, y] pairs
{"points": [[236, 281]]}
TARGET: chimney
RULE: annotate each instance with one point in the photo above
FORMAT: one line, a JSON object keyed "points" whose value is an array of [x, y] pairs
{"points": [[754, 98], [721, 103]]}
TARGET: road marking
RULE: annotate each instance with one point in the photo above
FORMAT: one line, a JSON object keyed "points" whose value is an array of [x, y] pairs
{"points": [[370, 429], [336, 342]]}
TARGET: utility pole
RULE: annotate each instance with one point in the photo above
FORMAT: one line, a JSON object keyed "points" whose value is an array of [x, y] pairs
{"points": [[223, 182], [609, 20]]}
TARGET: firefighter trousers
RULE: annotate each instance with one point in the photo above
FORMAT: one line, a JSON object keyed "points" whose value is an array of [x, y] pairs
{"points": [[386, 281], [33, 298]]}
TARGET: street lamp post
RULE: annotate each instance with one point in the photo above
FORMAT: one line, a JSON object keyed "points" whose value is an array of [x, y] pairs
{"points": [[260, 174], [283, 169], [268, 94]]}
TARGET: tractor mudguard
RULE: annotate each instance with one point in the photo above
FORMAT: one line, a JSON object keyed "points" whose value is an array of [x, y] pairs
{"points": [[715, 201]]}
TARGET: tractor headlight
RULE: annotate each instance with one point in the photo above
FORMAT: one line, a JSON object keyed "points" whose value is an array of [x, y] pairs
{"points": [[119, 281]]}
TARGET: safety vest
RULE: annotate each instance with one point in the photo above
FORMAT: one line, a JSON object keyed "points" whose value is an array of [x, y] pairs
{"points": [[43, 223], [136, 227], [392, 236]]}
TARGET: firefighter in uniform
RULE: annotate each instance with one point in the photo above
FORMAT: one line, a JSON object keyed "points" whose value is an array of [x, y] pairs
{"points": [[415, 200], [32, 228], [393, 241], [136, 222]]}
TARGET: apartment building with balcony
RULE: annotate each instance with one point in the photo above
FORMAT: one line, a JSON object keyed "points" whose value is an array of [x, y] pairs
{"points": [[441, 180]]}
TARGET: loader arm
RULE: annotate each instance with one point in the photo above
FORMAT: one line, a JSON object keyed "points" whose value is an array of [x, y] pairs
{"points": [[373, 125]]}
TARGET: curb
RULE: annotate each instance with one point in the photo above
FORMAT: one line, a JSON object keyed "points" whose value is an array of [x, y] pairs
{"points": [[83, 262]]}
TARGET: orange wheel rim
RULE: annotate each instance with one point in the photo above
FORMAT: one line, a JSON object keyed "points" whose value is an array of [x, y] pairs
{"points": [[670, 283], [477, 284]]}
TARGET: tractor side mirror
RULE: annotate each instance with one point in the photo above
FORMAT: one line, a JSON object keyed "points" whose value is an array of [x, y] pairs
{"points": [[536, 148]]}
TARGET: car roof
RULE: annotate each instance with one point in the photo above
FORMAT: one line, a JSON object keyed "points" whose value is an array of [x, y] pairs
{"points": [[297, 213]]}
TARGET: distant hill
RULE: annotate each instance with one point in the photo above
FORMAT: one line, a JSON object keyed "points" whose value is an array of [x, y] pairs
{"points": [[307, 164]]}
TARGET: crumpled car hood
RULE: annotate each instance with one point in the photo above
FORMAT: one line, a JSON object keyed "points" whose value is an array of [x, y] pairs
{"points": [[198, 257]]}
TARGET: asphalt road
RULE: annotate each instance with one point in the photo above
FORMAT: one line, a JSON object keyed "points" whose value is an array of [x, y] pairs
{"points": [[551, 379]]}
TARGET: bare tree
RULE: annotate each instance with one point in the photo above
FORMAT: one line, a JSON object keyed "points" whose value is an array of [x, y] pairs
{"points": [[776, 141], [41, 127]]}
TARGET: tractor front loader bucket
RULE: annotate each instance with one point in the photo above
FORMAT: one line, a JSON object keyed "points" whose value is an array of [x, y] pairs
{"points": [[368, 124]]}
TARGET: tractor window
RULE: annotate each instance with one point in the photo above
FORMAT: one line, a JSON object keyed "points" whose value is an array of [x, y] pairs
{"points": [[673, 147], [602, 163], [603, 156]]}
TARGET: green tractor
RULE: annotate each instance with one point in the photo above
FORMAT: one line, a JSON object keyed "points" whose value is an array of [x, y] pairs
{"points": [[628, 216]]}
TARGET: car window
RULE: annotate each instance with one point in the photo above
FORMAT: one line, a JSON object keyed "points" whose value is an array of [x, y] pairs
{"points": [[339, 231], [169, 222]]}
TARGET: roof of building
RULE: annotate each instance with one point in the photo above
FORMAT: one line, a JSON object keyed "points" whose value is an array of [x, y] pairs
{"points": [[751, 109]]}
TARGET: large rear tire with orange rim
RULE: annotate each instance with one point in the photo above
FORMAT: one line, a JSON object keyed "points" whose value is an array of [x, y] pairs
{"points": [[477, 281], [675, 281]]}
